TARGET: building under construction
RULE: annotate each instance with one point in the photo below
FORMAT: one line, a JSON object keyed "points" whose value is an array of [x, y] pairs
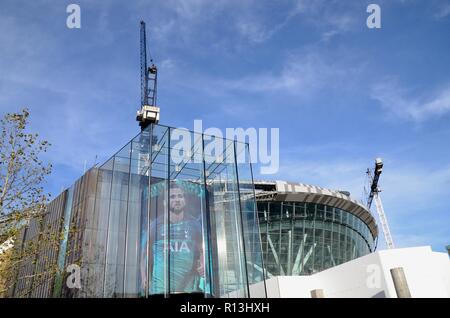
{"points": [[156, 220]]}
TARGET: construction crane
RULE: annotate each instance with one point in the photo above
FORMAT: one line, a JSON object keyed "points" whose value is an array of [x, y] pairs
{"points": [[149, 112], [373, 177]]}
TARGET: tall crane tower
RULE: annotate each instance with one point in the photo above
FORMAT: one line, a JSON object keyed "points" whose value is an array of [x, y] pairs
{"points": [[149, 112], [374, 176]]}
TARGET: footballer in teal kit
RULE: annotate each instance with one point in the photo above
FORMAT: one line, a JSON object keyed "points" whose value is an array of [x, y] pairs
{"points": [[185, 248]]}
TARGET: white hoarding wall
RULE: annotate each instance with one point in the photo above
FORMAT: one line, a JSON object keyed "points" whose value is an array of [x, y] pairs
{"points": [[427, 274]]}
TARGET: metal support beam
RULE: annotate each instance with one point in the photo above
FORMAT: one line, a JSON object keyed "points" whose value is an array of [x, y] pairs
{"points": [[289, 256], [275, 254], [296, 270]]}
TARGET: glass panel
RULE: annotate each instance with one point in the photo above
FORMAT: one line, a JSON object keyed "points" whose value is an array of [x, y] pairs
{"points": [[226, 226], [263, 209], [115, 248], [307, 266], [328, 213], [337, 215], [188, 215], [63, 246], [298, 248], [310, 211], [344, 217], [275, 211], [319, 249], [137, 211], [329, 253], [272, 257], [288, 210], [284, 251], [300, 210], [155, 228], [100, 229], [320, 213], [251, 232]]}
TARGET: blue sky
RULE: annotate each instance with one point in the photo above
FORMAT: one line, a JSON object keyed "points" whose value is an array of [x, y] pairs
{"points": [[341, 94]]}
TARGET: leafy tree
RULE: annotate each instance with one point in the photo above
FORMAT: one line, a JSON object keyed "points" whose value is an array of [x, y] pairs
{"points": [[22, 174], [21, 170], [5, 267]]}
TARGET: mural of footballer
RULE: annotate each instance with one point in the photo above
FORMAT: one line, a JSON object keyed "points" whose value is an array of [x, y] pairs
{"points": [[186, 248]]}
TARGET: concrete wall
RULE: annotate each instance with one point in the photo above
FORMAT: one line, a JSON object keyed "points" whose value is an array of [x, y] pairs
{"points": [[425, 271], [443, 260], [427, 274]]}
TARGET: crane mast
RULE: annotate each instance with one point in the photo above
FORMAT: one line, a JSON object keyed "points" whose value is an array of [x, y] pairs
{"points": [[374, 176], [149, 112]]}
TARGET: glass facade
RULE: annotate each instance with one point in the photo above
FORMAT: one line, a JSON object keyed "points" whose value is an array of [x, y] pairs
{"points": [[165, 215], [303, 238]]}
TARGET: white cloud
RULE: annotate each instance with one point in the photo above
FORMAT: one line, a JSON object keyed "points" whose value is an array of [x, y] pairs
{"points": [[254, 31], [338, 24], [398, 101], [167, 64], [179, 21], [328, 17], [252, 21], [443, 11], [250, 25], [302, 75], [346, 175]]}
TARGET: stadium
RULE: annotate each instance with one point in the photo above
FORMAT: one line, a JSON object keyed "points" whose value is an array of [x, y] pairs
{"points": [[306, 229]]}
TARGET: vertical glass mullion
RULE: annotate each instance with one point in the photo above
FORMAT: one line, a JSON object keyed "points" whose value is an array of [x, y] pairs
{"points": [[167, 285], [324, 230], [280, 238], [268, 224], [313, 254], [257, 223], [146, 283], [124, 274], [120, 269], [303, 240], [239, 215], [107, 228], [206, 225], [332, 241], [293, 233], [280, 268]]}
